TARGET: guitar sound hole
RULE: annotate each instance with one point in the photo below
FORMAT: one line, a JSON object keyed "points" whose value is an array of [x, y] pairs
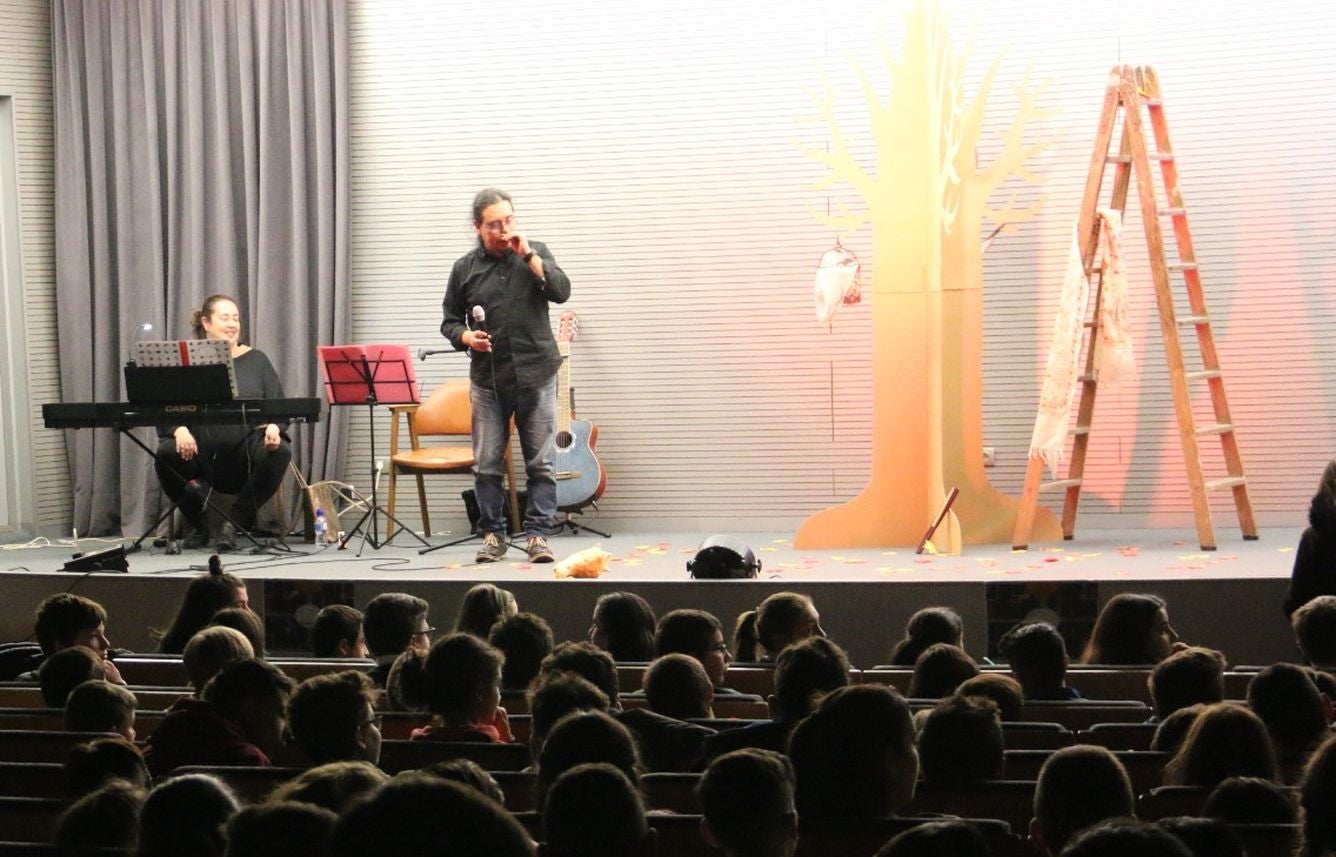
{"points": [[564, 440]]}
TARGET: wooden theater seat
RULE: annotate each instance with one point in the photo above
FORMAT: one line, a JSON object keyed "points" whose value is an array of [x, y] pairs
{"points": [[1011, 801], [32, 779], [397, 756], [1119, 736], [250, 783]]}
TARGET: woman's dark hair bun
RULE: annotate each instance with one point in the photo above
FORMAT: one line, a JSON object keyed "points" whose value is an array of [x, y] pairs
{"points": [[215, 566]]}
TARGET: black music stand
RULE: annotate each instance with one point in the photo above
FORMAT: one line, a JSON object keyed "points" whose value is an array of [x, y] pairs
{"points": [[371, 375]]}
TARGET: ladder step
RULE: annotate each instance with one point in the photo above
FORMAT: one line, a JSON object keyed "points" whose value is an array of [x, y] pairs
{"points": [[1076, 431], [1172, 212], [1087, 378], [1227, 482], [1203, 375], [1194, 321], [1162, 157], [1061, 483], [1181, 266], [1218, 428]]}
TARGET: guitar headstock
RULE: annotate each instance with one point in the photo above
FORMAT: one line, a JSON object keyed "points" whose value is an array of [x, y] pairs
{"points": [[568, 327]]}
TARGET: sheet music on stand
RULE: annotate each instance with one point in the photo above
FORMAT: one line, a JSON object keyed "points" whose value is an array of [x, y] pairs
{"points": [[187, 352]]}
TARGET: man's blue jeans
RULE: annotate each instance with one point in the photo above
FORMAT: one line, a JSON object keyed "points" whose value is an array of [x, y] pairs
{"points": [[535, 414]]}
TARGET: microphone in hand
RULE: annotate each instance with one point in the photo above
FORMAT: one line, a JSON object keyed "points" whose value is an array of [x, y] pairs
{"points": [[481, 340]]}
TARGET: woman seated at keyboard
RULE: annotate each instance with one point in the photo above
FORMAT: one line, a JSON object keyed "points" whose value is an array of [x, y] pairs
{"points": [[248, 461]]}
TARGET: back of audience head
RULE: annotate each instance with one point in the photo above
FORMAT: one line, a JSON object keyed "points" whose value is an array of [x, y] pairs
{"points": [[93, 764], [524, 639], [186, 815], [1203, 837], [1173, 729], [469, 773], [747, 804], [594, 810], [254, 695], [854, 756], [334, 786], [421, 814], [1225, 740], [65, 670], [1037, 655], [333, 717], [927, 626], [1294, 711], [1250, 800], [482, 607], [1317, 795], [556, 695], [1132, 630], [408, 687], [1077, 787], [588, 661], [212, 649], [585, 736], [1185, 678], [1315, 630], [698, 634], [940, 670], [961, 741], [279, 829], [676, 686], [780, 620], [107, 817], [337, 633], [806, 671], [1003, 690], [65, 619], [624, 626], [246, 621], [393, 621], [465, 679], [205, 596], [953, 838], [1123, 837], [100, 706]]}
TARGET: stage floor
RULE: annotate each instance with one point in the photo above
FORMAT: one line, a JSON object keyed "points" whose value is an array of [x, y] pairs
{"points": [[661, 557]]}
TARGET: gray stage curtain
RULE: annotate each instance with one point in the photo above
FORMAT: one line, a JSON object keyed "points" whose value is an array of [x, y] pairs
{"points": [[200, 147]]}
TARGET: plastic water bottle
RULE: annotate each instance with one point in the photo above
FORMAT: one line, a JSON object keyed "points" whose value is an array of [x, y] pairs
{"points": [[321, 527]]}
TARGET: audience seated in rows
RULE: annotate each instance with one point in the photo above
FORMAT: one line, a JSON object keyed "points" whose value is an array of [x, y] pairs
{"points": [[1171, 731], [940, 670], [623, 626], [247, 622], [553, 696], [1037, 656], [393, 623], [337, 633], [1203, 837], [205, 596], [1123, 837], [239, 721], [780, 620], [1132, 629], [100, 706], [63, 621], [1003, 690], [279, 829], [676, 686], [210, 650], [747, 803], [524, 639], [585, 736], [854, 756], [463, 676], [937, 839], [333, 718], [186, 815], [1193, 675], [804, 672], [1250, 800], [961, 741], [107, 817], [61, 672], [1314, 627], [1297, 715], [926, 627], [1078, 787], [91, 765], [699, 635], [419, 814], [1225, 740], [336, 786], [594, 810], [483, 606], [469, 773]]}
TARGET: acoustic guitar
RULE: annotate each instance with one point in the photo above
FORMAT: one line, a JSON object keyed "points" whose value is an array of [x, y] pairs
{"points": [[580, 477]]}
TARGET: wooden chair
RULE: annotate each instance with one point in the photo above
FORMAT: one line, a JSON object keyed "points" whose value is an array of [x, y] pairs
{"points": [[864, 837], [1119, 736], [1268, 840], [1171, 801], [671, 791], [1144, 767], [447, 413], [1109, 683], [1079, 714], [32, 779], [41, 745], [1035, 736], [53, 720], [29, 819], [397, 756], [251, 784], [1011, 801]]}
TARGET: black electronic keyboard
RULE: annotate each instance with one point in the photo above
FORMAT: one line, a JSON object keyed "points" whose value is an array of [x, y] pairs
{"points": [[123, 415]]}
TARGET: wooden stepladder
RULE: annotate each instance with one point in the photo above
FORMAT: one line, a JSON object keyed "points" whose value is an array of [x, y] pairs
{"points": [[1134, 92]]}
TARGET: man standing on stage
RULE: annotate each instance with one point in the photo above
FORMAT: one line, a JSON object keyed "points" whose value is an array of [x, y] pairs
{"points": [[496, 306]]}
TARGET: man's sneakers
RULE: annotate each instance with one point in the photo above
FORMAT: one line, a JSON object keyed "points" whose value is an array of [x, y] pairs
{"points": [[493, 548], [538, 550]]}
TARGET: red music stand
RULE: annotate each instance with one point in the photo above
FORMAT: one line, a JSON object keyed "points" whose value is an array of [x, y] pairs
{"points": [[370, 375]]}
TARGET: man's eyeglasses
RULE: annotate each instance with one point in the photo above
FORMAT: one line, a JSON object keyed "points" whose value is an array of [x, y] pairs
{"points": [[377, 721], [426, 632], [718, 647], [499, 225]]}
